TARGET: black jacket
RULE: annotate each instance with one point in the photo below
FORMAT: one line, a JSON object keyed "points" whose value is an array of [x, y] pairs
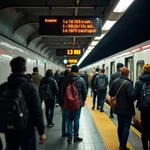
{"points": [[85, 77], [114, 76], [80, 84], [32, 99], [145, 77], [125, 102], [93, 80], [96, 80], [53, 85]]}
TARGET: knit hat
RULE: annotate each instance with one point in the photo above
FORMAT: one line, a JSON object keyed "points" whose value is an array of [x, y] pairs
{"points": [[124, 71], [146, 68]]}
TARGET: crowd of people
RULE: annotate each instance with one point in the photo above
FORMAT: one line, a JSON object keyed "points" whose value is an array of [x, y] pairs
{"points": [[23, 95]]}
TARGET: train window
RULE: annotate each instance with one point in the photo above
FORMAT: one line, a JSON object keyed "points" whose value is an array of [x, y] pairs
{"points": [[139, 67], [103, 66], [106, 71], [112, 67]]}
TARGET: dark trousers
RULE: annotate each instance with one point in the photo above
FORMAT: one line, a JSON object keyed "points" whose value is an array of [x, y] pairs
{"points": [[123, 129], [94, 99], [49, 112], [17, 141], [145, 129], [74, 116], [111, 111], [101, 99], [64, 120]]}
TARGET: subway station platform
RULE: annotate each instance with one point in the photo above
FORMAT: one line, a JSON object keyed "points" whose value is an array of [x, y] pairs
{"points": [[98, 131]]}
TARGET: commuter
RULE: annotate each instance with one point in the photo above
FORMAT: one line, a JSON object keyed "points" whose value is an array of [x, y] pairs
{"points": [[100, 86], [141, 92], [57, 77], [90, 79], [92, 87], [112, 78], [48, 90], [20, 88], [29, 76], [85, 77], [74, 83], [121, 88], [36, 77], [64, 111]]}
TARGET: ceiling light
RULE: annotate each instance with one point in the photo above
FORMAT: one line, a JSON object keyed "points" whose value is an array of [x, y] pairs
{"points": [[122, 6], [99, 37], [94, 43], [108, 25]]}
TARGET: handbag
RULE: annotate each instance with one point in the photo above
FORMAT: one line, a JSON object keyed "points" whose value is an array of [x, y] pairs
{"points": [[113, 100]]}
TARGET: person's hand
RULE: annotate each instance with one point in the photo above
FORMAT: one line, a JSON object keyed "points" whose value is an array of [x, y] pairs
{"points": [[42, 139]]}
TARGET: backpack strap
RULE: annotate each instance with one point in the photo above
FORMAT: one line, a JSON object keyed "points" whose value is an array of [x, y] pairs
{"points": [[120, 87]]}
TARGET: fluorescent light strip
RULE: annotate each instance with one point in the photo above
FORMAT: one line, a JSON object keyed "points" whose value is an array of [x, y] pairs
{"points": [[94, 43], [122, 6], [146, 46], [99, 37], [108, 25]]}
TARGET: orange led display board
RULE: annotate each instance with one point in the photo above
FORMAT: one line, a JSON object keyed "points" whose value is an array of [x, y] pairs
{"points": [[70, 26], [73, 61]]}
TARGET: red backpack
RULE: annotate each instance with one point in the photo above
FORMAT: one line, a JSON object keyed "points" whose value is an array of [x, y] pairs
{"points": [[71, 101]]}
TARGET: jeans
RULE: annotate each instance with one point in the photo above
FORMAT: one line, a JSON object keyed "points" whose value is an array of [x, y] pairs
{"points": [[123, 129], [15, 141], [145, 129], [74, 116], [101, 99], [94, 99], [64, 120], [111, 112], [49, 104]]}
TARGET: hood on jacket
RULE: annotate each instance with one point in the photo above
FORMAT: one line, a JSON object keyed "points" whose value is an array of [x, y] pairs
{"points": [[126, 78], [46, 79], [73, 76], [145, 77], [16, 79], [102, 75]]}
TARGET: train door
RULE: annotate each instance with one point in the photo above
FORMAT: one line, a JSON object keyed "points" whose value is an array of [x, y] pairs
{"points": [[106, 71], [112, 69], [129, 63]]}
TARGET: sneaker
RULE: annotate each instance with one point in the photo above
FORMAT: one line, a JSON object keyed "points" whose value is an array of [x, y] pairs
{"points": [[78, 139], [98, 108], [50, 125], [111, 116], [65, 135], [124, 148], [57, 105], [69, 140], [93, 107], [101, 110]]}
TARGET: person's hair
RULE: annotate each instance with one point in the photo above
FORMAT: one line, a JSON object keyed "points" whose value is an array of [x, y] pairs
{"points": [[97, 69], [85, 72], [35, 69], [18, 65], [102, 70], [75, 68], [29, 75], [49, 73], [119, 65], [66, 72]]}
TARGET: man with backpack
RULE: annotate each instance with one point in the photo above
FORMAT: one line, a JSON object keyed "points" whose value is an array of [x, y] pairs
{"points": [[48, 90], [74, 93], [100, 86], [92, 88], [21, 109], [114, 76], [141, 93]]}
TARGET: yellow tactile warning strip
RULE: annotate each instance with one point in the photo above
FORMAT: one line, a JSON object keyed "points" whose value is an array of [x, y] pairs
{"points": [[107, 129]]}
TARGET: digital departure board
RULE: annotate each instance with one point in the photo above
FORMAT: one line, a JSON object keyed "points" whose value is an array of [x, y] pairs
{"points": [[69, 26], [68, 52], [72, 61]]}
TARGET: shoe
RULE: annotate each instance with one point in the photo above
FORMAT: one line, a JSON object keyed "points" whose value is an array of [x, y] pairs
{"points": [[111, 116], [50, 125], [124, 148], [65, 135], [78, 139], [69, 140], [101, 110], [57, 105], [93, 107], [98, 108]]}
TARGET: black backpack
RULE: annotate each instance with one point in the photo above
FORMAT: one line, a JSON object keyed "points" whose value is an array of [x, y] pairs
{"points": [[13, 110], [101, 83], [45, 91], [145, 97]]}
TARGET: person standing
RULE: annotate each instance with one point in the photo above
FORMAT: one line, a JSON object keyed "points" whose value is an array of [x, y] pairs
{"points": [[141, 93], [85, 77], [122, 88], [112, 78]]}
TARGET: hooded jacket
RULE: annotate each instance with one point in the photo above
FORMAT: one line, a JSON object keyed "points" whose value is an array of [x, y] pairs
{"points": [[32, 99], [53, 85], [125, 101], [36, 77], [93, 80], [145, 77], [114, 76], [80, 85]]}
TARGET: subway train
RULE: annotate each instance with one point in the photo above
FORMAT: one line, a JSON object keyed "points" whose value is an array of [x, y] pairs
{"points": [[134, 58], [9, 49]]}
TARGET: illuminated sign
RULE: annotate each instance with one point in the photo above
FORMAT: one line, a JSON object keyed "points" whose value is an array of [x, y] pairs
{"points": [[69, 26], [73, 61], [65, 61], [68, 66], [68, 52]]}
